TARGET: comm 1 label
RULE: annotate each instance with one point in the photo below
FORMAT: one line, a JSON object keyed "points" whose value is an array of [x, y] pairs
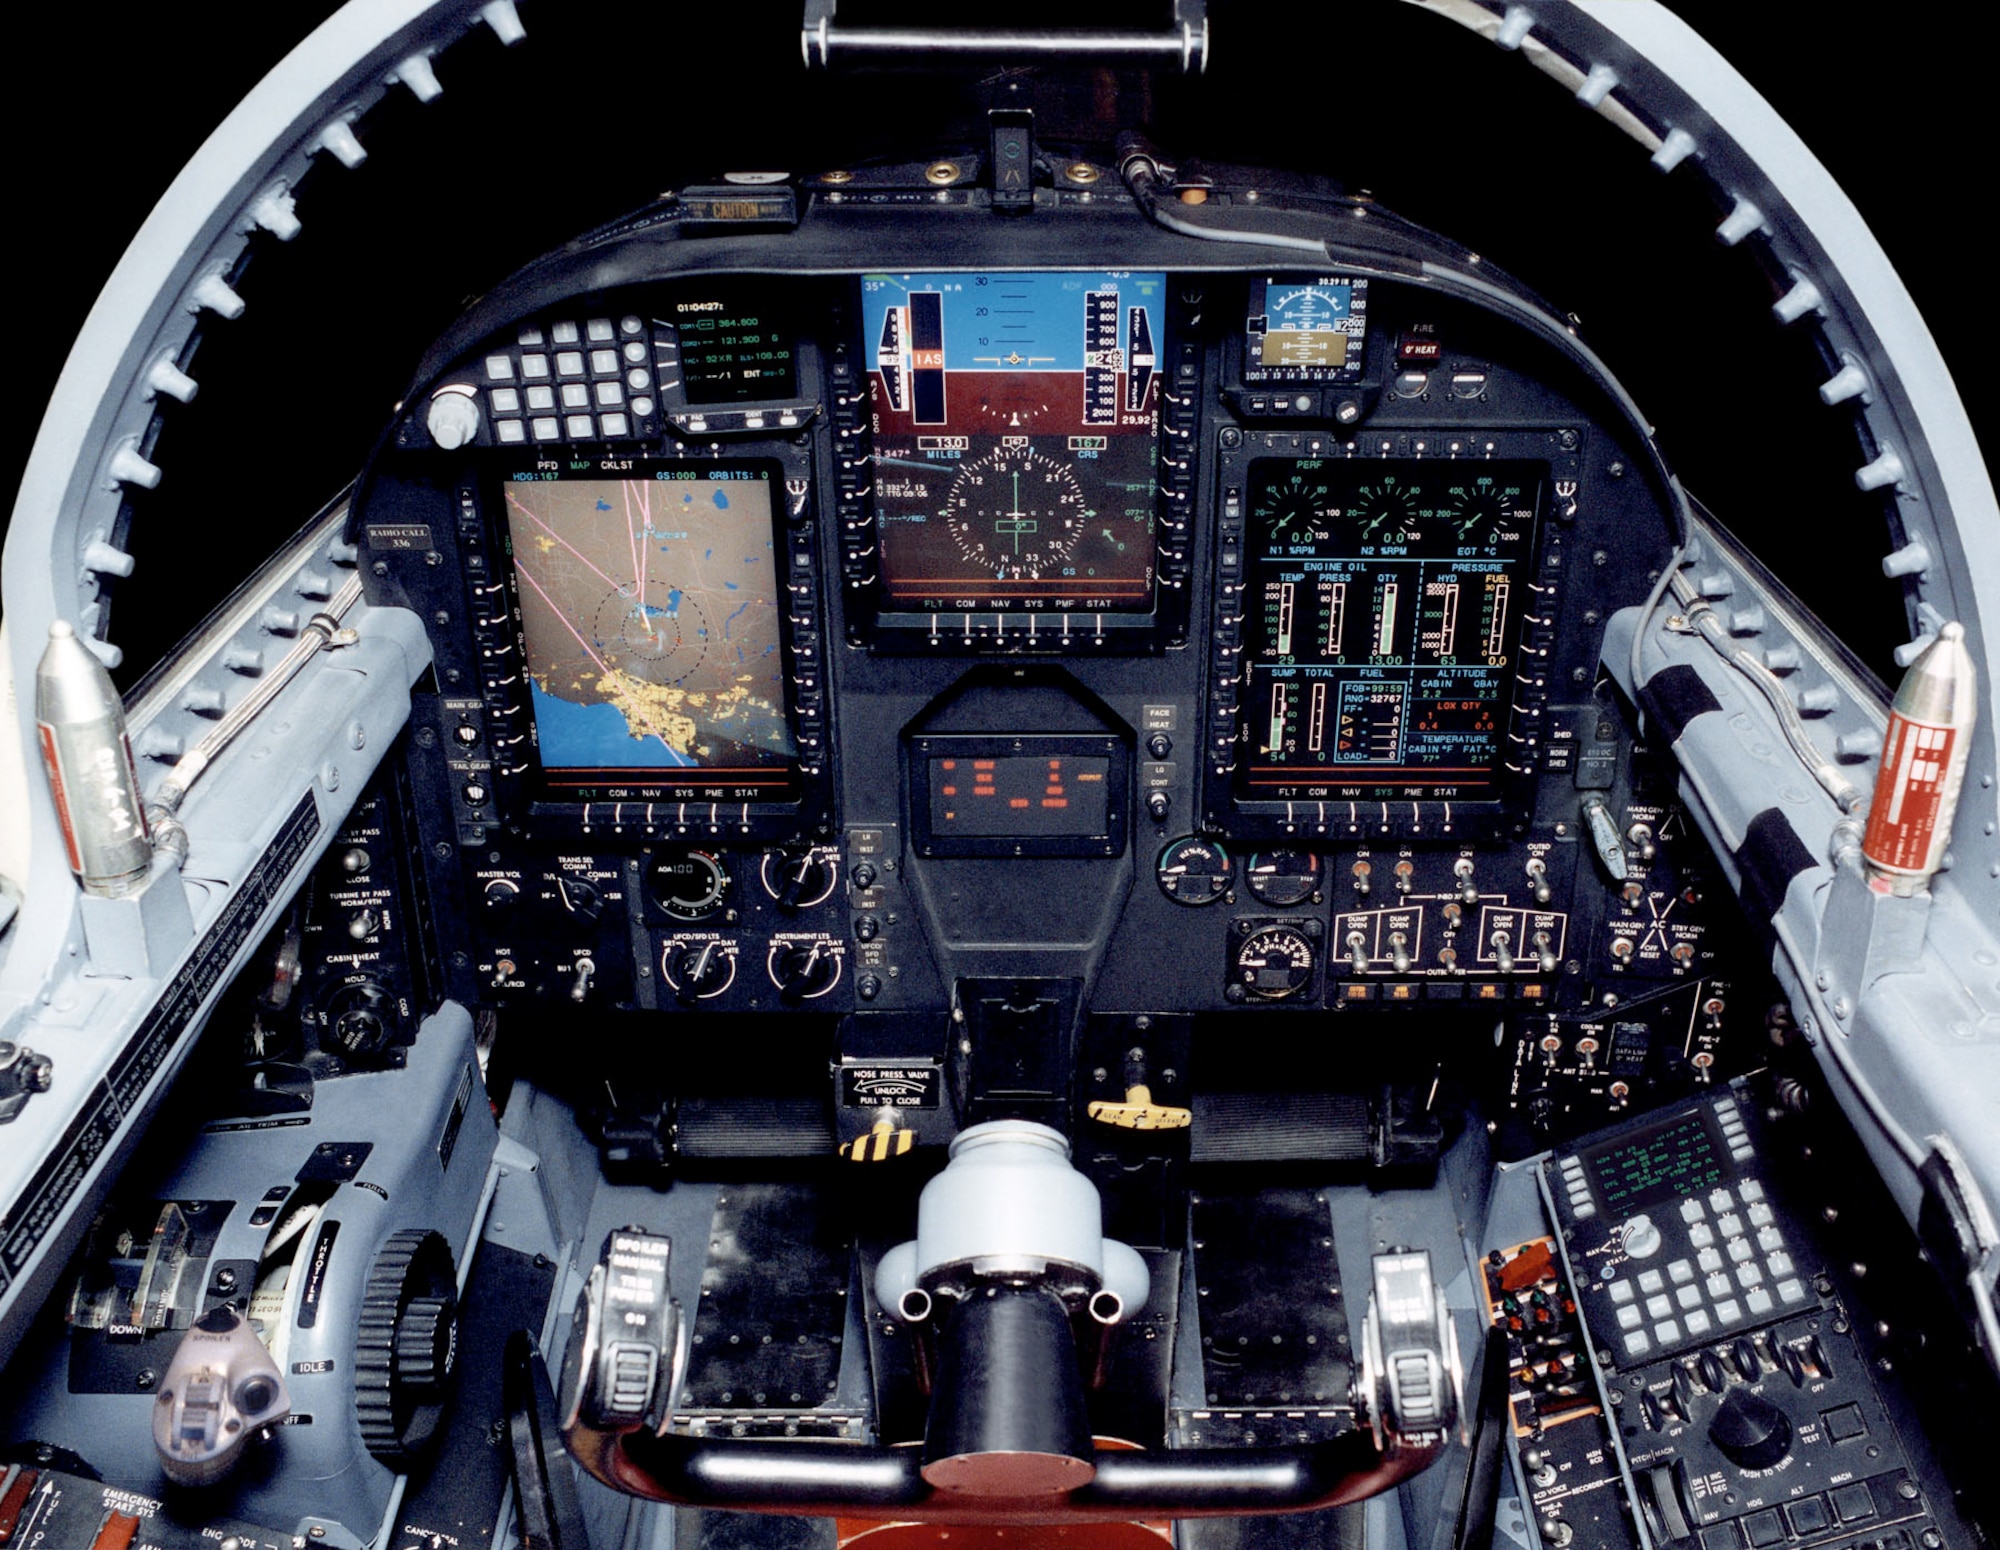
{"points": [[890, 1087]]}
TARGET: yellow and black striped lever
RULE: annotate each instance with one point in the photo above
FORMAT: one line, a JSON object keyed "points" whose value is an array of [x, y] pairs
{"points": [[887, 1139]]}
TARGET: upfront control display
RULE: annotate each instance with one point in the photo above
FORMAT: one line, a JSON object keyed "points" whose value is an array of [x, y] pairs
{"points": [[1661, 1162], [1015, 423], [1382, 604]]}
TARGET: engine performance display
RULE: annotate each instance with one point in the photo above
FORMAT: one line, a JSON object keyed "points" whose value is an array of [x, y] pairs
{"points": [[1016, 442], [648, 596], [1383, 602]]}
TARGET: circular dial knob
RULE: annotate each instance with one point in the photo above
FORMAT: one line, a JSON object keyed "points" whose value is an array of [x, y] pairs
{"points": [[804, 969], [798, 876], [579, 900], [1641, 1238], [1751, 1431], [359, 1017], [1194, 871], [452, 418], [686, 884], [1274, 963], [698, 970]]}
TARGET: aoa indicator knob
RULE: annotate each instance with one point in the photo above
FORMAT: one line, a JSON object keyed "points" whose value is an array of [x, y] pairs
{"points": [[686, 884]]}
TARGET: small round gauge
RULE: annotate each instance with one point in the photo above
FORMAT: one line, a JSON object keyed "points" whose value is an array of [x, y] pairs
{"points": [[1194, 871], [1387, 510], [686, 884], [1274, 963], [1480, 507], [1282, 878], [1016, 514], [1293, 509]]}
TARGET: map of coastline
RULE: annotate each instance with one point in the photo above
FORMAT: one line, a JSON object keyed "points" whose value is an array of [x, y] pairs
{"points": [[650, 616]]}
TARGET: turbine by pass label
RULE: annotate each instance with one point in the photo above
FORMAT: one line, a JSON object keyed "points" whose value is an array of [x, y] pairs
{"points": [[1910, 818]]}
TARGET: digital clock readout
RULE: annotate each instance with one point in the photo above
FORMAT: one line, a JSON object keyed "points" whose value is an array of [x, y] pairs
{"points": [[1667, 1162]]}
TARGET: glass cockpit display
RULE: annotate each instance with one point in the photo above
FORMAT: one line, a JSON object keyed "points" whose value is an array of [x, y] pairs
{"points": [[1383, 603], [1305, 330], [1015, 422], [649, 602]]}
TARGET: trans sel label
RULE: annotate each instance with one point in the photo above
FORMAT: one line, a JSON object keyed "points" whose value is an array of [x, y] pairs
{"points": [[889, 1087]]}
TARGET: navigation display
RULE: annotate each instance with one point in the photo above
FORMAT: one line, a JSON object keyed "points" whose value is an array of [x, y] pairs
{"points": [[1016, 450], [649, 626], [1383, 602]]}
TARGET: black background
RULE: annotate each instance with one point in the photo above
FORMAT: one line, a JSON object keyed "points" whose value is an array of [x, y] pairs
{"points": [[529, 147]]}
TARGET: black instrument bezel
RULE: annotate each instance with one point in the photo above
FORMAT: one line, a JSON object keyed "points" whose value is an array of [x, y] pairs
{"points": [[656, 808]]}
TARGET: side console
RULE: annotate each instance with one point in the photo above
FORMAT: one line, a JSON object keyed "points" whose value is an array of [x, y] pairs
{"points": [[1695, 1355]]}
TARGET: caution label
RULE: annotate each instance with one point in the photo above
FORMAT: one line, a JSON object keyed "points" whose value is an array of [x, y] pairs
{"points": [[1906, 823]]}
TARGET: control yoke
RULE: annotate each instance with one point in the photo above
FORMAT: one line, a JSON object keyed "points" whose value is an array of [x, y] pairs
{"points": [[1007, 1440]]}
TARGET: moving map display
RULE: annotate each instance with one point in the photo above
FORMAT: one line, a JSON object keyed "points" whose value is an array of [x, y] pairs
{"points": [[649, 625], [1015, 423], [1383, 602]]}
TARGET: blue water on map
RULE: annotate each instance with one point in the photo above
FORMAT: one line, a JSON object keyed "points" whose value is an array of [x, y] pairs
{"points": [[577, 736]]}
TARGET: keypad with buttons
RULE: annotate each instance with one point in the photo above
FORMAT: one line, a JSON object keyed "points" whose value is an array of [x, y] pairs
{"points": [[1680, 1272], [546, 370]]}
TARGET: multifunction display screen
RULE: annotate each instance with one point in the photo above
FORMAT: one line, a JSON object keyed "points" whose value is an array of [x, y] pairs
{"points": [[1662, 1163], [1383, 602], [648, 597], [1016, 450]]}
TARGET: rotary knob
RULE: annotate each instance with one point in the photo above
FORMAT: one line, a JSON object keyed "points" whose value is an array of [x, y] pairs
{"points": [[1641, 1238], [359, 1017], [579, 899], [798, 876], [1751, 1431], [405, 1345], [803, 969], [700, 970]]}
